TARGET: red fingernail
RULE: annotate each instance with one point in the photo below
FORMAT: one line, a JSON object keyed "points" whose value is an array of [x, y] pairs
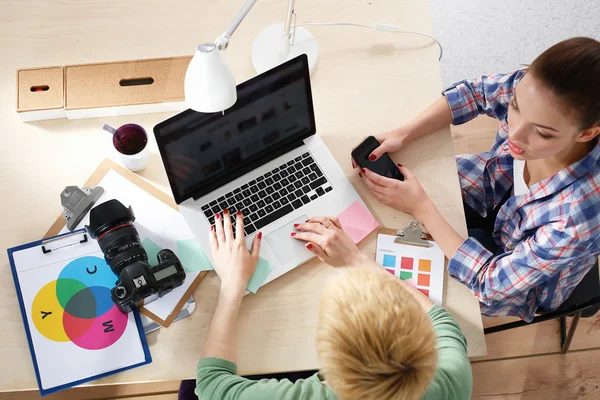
{"points": [[295, 225], [362, 170], [225, 211], [293, 233], [400, 165], [259, 235], [239, 212], [306, 221], [212, 228], [309, 246], [372, 157], [218, 216]]}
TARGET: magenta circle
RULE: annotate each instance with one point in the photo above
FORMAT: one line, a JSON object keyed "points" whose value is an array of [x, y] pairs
{"points": [[105, 330]]}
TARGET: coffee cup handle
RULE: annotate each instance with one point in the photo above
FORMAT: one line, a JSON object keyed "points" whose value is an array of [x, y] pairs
{"points": [[109, 129]]}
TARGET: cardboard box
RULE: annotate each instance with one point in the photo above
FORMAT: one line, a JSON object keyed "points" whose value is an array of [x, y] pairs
{"points": [[124, 88], [40, 93]]}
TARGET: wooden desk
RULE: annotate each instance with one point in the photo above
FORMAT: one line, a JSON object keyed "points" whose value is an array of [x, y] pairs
{"points": [[366, 82]]}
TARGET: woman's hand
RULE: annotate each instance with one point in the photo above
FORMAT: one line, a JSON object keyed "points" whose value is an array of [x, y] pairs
{"points": [[389, 142], [407, 196], [232, 261], [326, 239]]}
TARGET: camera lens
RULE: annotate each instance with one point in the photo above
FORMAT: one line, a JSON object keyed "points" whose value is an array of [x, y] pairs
{"points": [[120, 292], [111, 223]]}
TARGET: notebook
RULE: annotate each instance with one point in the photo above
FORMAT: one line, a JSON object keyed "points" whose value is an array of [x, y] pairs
{"points": [[76, 333]]}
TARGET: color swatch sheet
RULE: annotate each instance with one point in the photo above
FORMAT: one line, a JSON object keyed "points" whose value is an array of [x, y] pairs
{"points": [[425, 266], [76, 332]]}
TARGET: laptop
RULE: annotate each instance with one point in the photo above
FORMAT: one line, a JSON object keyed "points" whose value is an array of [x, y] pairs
{"points": [[263, 157]]}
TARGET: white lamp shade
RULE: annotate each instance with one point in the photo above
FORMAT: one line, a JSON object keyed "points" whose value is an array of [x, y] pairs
{"points": [[209, 84]]}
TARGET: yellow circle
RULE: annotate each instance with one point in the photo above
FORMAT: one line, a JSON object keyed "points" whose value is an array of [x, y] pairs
{"points": [[47, 314]]}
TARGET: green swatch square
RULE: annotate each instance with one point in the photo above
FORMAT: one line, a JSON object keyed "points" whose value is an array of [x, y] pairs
{"points": [[405, 275], [152, 250], [192, 256], [263, 268]]}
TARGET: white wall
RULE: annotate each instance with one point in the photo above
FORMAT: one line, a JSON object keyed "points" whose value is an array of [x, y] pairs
{"points": [[484, 36]]}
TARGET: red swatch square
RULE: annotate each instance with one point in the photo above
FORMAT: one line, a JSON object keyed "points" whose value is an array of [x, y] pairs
{"points": [[406, 263]]}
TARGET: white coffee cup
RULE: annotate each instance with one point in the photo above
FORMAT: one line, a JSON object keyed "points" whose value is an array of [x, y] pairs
{"points": [[130, 141]]}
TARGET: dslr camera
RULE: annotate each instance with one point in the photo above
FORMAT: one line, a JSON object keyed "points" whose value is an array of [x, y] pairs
{"points": [[111, 223]]}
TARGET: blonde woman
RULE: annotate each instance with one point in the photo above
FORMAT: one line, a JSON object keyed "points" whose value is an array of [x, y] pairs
{"points": [[377, 337]]}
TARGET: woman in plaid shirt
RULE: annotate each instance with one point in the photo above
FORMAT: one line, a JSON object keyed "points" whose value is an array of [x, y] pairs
{"points": [[533, 201]]}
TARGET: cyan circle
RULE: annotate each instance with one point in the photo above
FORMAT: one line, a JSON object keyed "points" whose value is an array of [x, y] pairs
{"points": [[89, 270]]}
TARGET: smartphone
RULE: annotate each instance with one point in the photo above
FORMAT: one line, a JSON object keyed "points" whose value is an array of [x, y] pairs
{"points": [[383, 166]]}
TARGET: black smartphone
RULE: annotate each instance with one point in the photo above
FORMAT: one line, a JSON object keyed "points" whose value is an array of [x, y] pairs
{"points": [[383, 166]]}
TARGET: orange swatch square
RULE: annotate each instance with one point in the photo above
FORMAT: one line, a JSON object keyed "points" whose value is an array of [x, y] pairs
{"points": [[423, 280], [425, 265]]}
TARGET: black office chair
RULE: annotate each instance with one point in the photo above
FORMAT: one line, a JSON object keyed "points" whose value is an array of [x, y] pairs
{"points": [[584, 302]]}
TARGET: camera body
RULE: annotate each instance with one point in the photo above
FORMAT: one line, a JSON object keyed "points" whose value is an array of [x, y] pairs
{"points": [[111, 223]]}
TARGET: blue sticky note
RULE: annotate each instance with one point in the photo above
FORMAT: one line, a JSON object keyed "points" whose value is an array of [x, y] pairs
{"points": [[192, 256], [152, 249], [263, 268]]}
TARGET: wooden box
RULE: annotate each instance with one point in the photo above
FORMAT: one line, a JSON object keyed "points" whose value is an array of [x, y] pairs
{"points": [[124, 88], [40, 93]]}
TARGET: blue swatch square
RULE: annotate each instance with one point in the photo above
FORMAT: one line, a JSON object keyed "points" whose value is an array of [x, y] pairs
{"points": [[389, 261]]}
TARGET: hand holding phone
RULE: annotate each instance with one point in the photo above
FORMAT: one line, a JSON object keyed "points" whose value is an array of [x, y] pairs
{"points": [[383, 166]]}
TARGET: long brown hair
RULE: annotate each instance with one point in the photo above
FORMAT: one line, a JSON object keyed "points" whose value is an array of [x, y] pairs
{"points": [[571, 70]]}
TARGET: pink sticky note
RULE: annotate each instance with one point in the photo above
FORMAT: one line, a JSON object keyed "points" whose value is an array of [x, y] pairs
{"points": [[357, 221]]}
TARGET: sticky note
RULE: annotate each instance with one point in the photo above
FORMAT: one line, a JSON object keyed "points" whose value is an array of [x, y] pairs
{"points": [[152, 249], [263, 268], [192, 256], [357, 221]]}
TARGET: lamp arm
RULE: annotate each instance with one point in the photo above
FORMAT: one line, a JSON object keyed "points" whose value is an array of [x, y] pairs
{"points": [[222, 41]]}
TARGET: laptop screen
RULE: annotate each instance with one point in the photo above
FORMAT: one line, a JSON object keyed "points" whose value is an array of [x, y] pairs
{"points": [[273, 114]]}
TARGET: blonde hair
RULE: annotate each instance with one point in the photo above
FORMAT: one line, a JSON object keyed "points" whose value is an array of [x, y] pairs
{"points": [[374, 341]]}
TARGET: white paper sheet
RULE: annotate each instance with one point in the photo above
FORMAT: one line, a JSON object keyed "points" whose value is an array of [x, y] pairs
{"points": [[424, 265], [69, 348], [153, 219]]}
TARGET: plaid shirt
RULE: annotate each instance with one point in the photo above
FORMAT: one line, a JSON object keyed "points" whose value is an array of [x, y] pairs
{"points": [[549, 238]]}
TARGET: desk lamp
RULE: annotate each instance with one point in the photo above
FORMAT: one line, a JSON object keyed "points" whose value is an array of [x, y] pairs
{"points": [[209, 84]]}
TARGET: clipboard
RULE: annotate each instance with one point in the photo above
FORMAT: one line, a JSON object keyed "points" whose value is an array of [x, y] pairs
{"points": [[42, 258], [105, 166], [412, 255]]}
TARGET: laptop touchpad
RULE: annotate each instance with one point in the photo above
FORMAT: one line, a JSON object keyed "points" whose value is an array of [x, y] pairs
{"points": [[285, 247]]}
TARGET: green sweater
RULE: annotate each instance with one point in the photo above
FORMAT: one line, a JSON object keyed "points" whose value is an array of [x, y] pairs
{"points": [[217, 379]]}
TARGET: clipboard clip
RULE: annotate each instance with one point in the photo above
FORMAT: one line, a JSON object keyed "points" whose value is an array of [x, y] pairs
{"points": [[63, 241], [411, 235]]}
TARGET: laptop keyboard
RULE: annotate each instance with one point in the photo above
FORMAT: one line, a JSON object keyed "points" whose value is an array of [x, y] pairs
{"points": [[273, 195]]}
